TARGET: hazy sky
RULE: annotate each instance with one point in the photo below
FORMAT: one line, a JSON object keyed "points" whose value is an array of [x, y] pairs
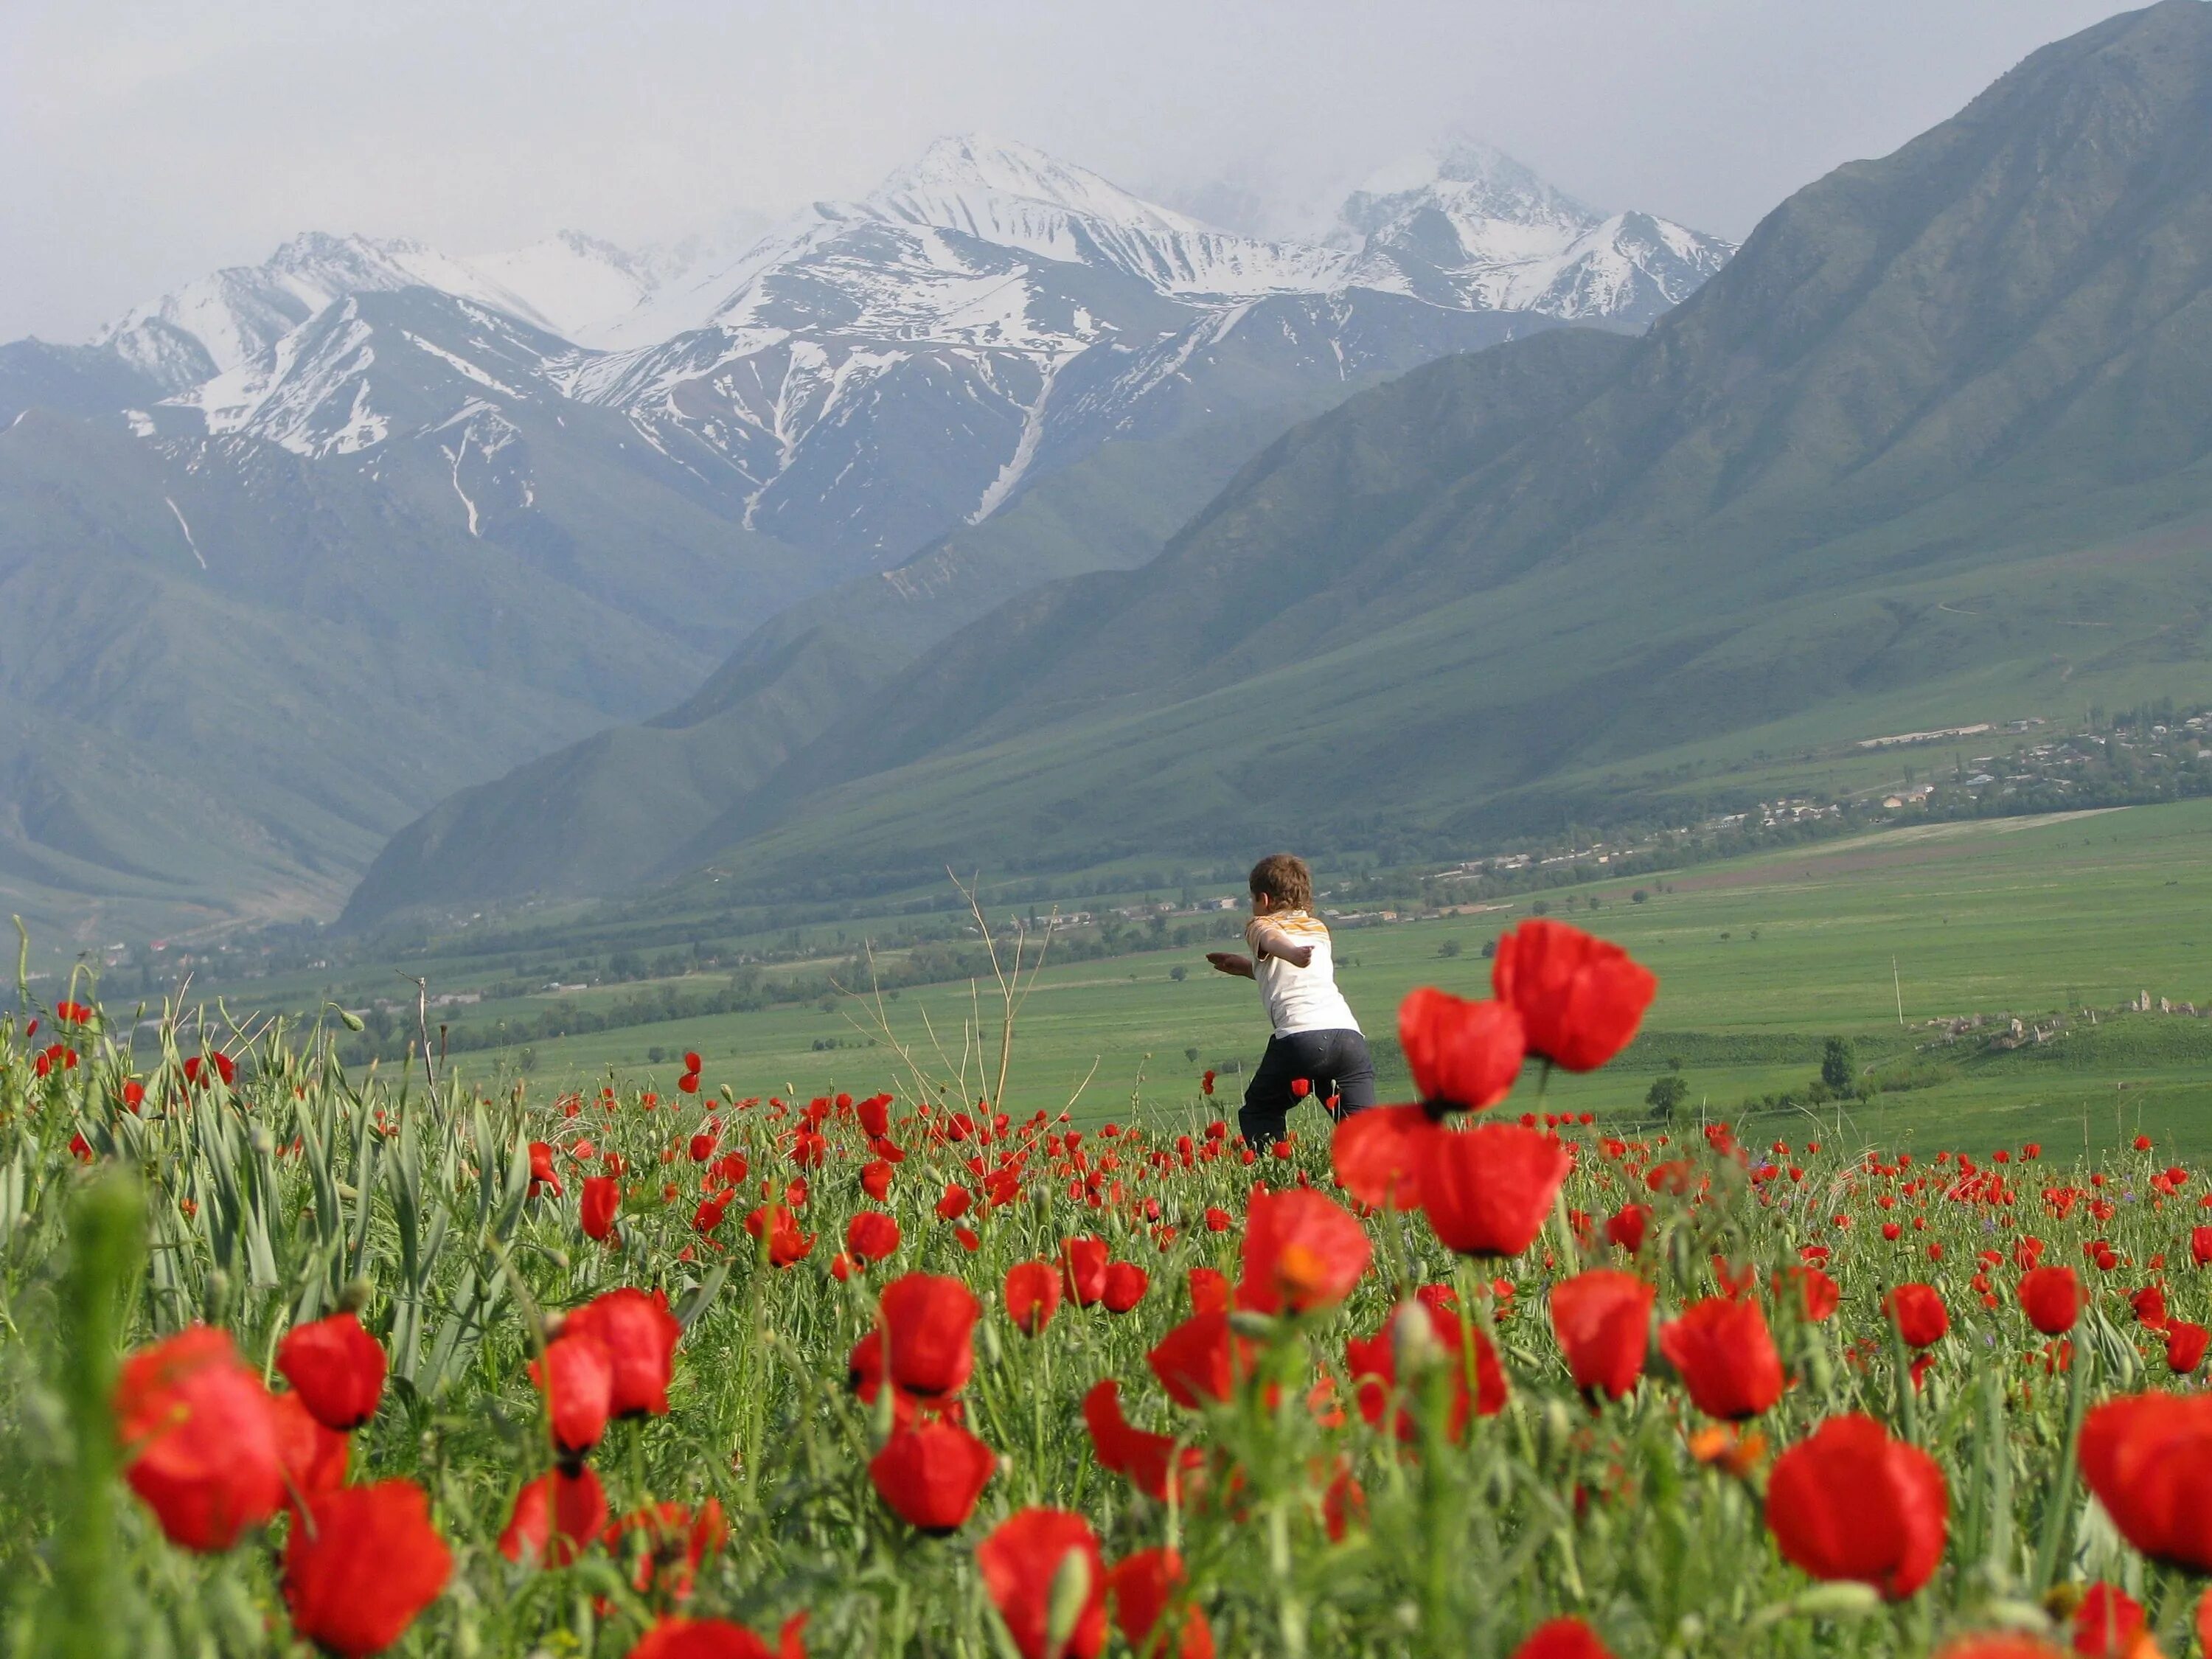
{"points": [[144, 142]]}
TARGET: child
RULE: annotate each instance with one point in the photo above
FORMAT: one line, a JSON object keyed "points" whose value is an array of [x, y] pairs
{"points": [[1316, 1040]]}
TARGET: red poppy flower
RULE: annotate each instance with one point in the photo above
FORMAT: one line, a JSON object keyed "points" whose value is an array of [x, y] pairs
{"points": [[930, 1319], [1919, 1314], [1378, 1155], [198, 1438], [555, 1520], [676, 1638], [313, 1457], [1126, 1285], [876, 1179], [1562, 1639], [1849, 1502], [1200, 1360], [1209, 1290], [1725, 1356], [1083, 1260], [955, 1204], [1487, 1189], [2149, 1458], [1373, 1364], [361, 1563], [786, 1243], [1580, 999], [1151, 1461], [1032, 1295], [2200, 1245], [1627, 1225], [579, 1380], [932, 1475], [1302, 1251], [602, 1198], [1603, 1322], [338, 1369], [1461, 1053], [670, 1544], [542, 1173], [1818, 1296], [2109, 1624], [2052, 1298], [1999, 1644], [870, 1236], [1145, 1589], [2185, 1344], [1024, 1561], [640, 1335]]}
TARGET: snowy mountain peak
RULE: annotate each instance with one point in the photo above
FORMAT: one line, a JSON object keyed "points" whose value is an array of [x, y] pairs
{"points": [[1469, 180], [228, 318], [942, 187]]}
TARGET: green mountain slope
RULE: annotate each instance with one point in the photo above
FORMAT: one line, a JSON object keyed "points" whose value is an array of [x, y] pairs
{"points": [[628, 802], [222, 687], [1934, 439]]}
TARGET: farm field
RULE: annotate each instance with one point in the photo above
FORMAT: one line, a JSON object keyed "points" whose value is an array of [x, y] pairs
{"points": [[1759, 962]]}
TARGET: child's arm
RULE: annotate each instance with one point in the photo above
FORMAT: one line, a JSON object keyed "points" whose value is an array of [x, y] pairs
{"points": [[1230, 962], [1273, 941]]}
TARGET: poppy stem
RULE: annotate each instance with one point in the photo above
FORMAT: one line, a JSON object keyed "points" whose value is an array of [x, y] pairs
{"points": [[1996, 1456], [2058, 1508], [106, 1224], [1908, 1401]]}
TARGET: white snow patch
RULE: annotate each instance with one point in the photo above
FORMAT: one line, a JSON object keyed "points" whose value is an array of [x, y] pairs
{"points": [[187, 529]]}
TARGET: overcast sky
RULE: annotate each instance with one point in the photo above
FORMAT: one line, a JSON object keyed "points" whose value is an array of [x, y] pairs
{"points": [[144, 142]]}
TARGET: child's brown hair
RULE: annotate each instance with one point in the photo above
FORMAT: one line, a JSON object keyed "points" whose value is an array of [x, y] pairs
{"points": [[1283, 878]]}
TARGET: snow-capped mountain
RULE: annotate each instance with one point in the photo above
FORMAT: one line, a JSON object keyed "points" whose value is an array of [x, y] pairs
{"points": [[868, 374], [226, 319], [417, 460], [1469, 225]]}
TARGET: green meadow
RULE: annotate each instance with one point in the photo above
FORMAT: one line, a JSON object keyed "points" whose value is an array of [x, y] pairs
{"points": [[1759, 961]]}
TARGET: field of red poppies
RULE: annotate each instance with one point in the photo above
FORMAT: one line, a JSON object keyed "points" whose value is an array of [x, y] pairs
{"points": [[293, 1362]]}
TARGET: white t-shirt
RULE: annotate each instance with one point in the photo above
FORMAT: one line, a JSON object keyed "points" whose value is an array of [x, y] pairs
{"points": [[1299, 999]]}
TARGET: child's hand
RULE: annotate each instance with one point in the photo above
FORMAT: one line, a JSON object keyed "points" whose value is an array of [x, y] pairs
{"points": [[1229, 961]]}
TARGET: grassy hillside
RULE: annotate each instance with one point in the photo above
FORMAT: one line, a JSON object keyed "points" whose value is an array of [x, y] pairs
{"points": [[629, 802]]}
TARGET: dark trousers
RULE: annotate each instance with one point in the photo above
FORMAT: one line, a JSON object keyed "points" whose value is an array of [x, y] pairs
{"points": [[1332, 1063]]}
